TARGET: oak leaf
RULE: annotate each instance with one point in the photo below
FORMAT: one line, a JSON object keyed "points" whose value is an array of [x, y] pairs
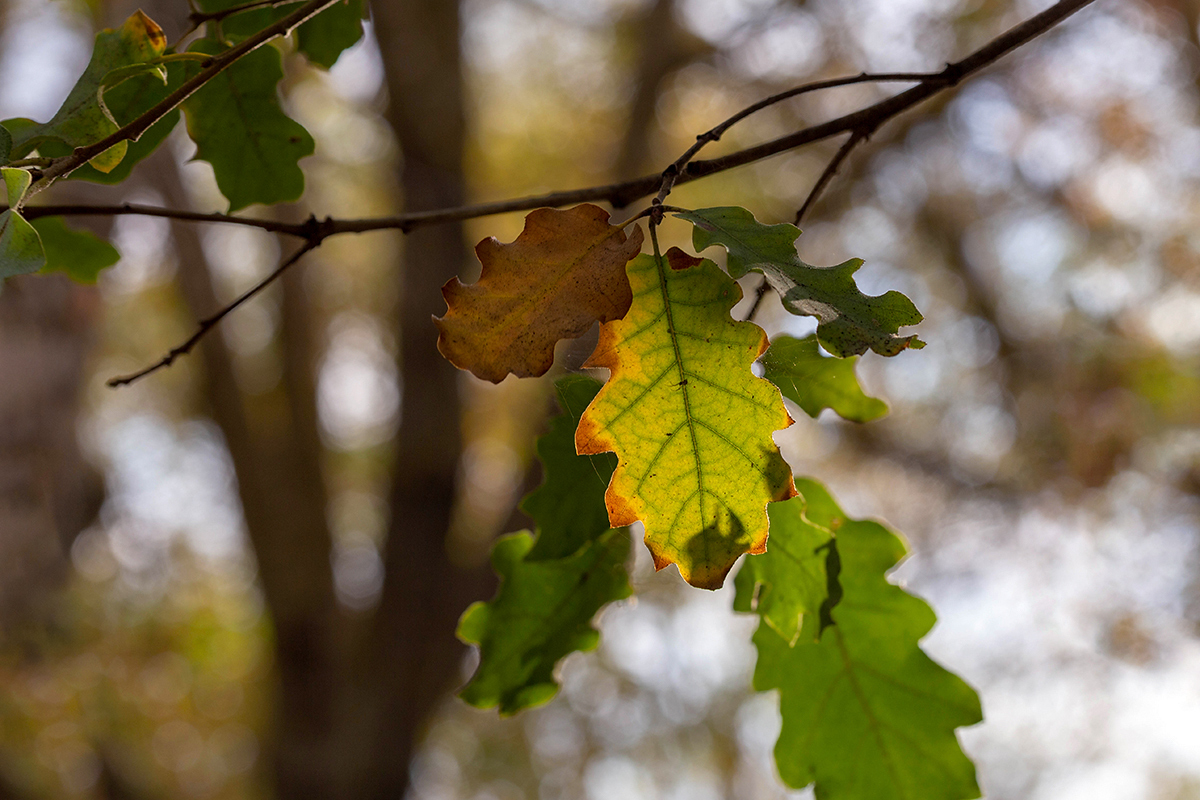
{"points": [[689, 422], [850, 321], [815, 382], [867, 715], [565, 271]]}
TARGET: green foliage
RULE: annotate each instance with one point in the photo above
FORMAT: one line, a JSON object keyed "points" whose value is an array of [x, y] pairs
{"points": [[324, 37], [568, 508], [789, 581], [84, 117], [238, 127], [680, 437], [866, 714], [126, 102], [79, 254], [850, 321], [814, 382], [16, 183], [541, 613], [20, 248], [550, 590]]}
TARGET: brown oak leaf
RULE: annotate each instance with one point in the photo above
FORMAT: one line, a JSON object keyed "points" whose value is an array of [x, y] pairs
{"points": [[565, 271]]}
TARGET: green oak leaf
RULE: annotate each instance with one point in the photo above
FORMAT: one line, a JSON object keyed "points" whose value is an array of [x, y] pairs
{"points": [[238, 127], [20, 248], [325, 36], [813, 381], [85, 116], [866, 714], [322, 39], [79, 254], [690, 423], [541, 613], [568, 508], [6, 145], [790, 580], [850, 321], [16, 183], [236, 27]]}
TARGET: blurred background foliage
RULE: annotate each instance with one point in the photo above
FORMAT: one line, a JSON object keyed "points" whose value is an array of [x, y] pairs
{"points": [[206, 580]]}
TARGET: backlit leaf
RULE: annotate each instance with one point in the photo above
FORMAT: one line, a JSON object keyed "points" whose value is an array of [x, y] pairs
{"points": [[690, 424], [790, 580], [850, 321], [568, 507], [813, 381], [564, 272], [238, 127], [84, 117], [551, 589], [866, 714], [20, 248], [542, 612], [78, 253]]}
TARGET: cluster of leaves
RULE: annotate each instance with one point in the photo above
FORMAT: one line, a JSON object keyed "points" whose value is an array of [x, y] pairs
{"points": [[679, 438], [866, 714], [235, 120]]}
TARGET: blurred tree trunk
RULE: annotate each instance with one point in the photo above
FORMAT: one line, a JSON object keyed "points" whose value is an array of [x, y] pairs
{"points": [[274, 443], [47, 492], [411, 656]]}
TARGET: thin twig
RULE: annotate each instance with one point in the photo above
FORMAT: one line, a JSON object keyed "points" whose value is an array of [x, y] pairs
{"points": [[217, 64], [623, 193], [198, 18], [859, 124], [207, 324], [827, 175], [671, 173], [298, 230]]}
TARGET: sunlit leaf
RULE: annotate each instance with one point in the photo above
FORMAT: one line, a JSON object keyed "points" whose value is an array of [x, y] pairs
{"points": [[850, 321], [789, 581], [563, 273], [79, 254], [866, 714], [568, 507], [813, 381], [84, 117], [542, 612], [20, 248], [690, 424], [238, 127]]}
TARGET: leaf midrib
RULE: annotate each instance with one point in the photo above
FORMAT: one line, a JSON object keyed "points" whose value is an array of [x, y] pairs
{"points": [[660, 267]]}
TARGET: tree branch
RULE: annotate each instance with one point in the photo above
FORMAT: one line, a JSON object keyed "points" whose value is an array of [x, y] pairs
{"points": [[207, 324], [860, 124], [60, 167], [623, 193]]}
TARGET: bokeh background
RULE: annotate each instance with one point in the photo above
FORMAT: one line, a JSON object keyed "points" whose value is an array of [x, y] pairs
{"points": [[239, 577]]}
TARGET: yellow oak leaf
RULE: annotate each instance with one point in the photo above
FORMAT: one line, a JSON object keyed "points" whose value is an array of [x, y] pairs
{"points": [[689, 422], [565, 271]]}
